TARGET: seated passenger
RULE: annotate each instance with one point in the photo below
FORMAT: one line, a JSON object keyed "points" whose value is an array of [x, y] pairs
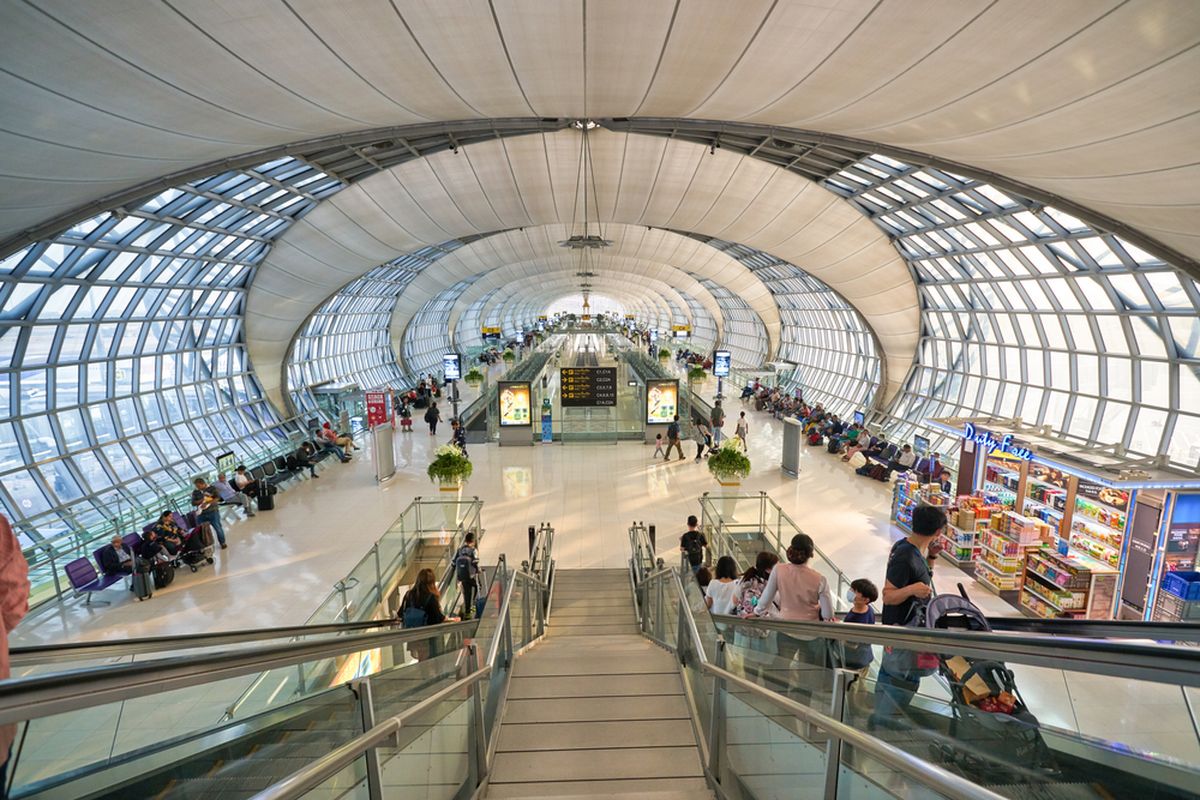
{"points": [[152, 549], [330, 435], [230, 495], [905, 459], [172, 537], [244, 482], [115, 558], [302, 458]]}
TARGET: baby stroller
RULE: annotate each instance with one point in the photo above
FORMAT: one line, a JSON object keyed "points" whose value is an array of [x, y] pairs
{"points": [[198, 546], [992, 729]]}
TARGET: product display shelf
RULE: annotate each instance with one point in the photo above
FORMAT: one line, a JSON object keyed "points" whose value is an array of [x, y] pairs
{"points": [[1003, 546], [1096, 540], [959, 546], [1068, 584]]}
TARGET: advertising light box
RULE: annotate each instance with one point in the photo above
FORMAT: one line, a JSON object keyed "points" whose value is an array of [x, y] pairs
{"points": [[514, 404], [722, 360], [452, 366], [662, 402]]}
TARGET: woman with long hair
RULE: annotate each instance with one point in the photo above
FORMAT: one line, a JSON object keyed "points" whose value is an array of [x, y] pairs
{"points": [[803, 595], [421, 606]]}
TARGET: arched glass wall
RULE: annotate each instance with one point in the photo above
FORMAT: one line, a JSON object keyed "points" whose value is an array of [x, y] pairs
{"points": [[704, 327], [744, 335], [428, 335], [1029, 312], [122, 370]]}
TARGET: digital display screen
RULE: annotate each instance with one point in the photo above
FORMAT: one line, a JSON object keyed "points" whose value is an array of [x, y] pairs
{"points": [[514, 404], [662, 401], [588, 386], [227, 462], [654, 336], [682, 334], [722, 360], [860, 418], [920, 445], [451, 366]]}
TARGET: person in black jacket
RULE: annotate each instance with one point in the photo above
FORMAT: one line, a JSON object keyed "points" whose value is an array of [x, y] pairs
{"points": [[432, 416], [421, 606], [115, 558], [152, 549]]}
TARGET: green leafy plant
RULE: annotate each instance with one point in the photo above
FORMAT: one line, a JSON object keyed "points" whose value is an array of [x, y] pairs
{"points": [[729, 464], [473, 377], [664, 354], [509, 356], [696, 374], [449, 466]]}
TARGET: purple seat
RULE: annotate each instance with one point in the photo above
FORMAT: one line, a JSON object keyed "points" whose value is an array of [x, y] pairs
{"points": [[131, 541], [85, 580]]}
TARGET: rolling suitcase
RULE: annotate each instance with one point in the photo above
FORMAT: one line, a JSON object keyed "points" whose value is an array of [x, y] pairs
{"points": [[266, 499], [164, 574], [141, 580]]}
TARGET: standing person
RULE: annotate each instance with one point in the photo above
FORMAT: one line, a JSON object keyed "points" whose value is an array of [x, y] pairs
{"points": [[717, 418], [907, 586], [745, 604], [658, 446], [741, 431], [205, 501], [928, 468], [693, 543], [405, 416], [432, 415], [673, 439], [719, 596], [702, 437], [466, 571], [803, 595], [14, 602], [421, 606], [230, 495], [458, 435]]}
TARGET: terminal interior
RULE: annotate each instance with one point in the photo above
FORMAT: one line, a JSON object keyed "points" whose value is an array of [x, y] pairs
{"points": [[967, 229]]}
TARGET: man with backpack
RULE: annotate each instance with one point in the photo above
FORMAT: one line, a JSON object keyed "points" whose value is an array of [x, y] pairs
{"points": [[693, 543], [466, 572], [673, 439], [908, 586]]}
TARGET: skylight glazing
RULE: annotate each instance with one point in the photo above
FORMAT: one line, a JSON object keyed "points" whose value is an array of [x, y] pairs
{"points": [[1029, 312], [122, 367]]}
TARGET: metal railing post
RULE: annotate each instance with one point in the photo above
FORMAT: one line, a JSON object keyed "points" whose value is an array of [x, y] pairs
{"points": [[366, 709], [680, 634], [833, 756], [378, 575], [659, 613], [479, 738], [541, 613], [717, 720]]}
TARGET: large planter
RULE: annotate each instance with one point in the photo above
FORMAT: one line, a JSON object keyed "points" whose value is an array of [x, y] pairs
{"points": [[450, 495], [727, 500]]}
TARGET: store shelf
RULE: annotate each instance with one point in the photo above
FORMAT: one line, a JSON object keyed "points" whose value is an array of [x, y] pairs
{"points": [[1040, 504]]}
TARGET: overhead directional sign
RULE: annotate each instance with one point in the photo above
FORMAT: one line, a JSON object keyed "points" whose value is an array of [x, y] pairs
{"points": [[588, 386]]}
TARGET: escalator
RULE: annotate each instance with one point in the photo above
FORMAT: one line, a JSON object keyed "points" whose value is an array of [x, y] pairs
{"points": [[1111, 706]]}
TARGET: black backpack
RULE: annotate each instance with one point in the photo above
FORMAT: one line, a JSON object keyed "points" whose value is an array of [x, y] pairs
{"points": [[462, 563]]}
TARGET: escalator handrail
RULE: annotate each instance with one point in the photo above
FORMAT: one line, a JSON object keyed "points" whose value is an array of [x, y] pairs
{"points": [[940, 780], [43, 695], [1169, 664], [73, 651], [929, 775], [1101, 629]]}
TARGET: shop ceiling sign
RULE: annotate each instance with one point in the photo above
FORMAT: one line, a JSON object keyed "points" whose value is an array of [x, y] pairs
{"points": [[992, 445]]}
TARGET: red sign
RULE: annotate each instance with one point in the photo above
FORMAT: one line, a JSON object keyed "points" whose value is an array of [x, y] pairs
{"points": [[377, 408]]}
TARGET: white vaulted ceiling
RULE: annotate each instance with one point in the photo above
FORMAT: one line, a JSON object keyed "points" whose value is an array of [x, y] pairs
{"points": [[640, 181], [1093, 100]]}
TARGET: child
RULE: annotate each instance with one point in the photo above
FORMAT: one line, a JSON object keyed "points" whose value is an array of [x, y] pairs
{"points": [[405, 418], [861, 593], [741, 430], [658, 448]]}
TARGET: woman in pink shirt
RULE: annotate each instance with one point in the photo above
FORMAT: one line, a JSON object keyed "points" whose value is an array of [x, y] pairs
{"points": [[14, 602], [802, 594]]}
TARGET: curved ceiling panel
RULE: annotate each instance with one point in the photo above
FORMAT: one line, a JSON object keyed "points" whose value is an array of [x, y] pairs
{"points": [[646, 181], [1093, 100]]}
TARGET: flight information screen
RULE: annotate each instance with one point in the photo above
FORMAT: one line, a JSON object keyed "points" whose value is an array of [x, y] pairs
{"points": [[588, 386]]}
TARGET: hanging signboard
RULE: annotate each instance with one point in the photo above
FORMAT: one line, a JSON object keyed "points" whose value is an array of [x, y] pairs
{"points": [[1001, 447], [588, 386], [490, 331]]}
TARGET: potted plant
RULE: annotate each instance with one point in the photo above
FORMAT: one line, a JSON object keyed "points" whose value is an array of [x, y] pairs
{"points": [[450, 469], [509, 356], [729, 465], [474, 377], [696, 374], [664, 354]]}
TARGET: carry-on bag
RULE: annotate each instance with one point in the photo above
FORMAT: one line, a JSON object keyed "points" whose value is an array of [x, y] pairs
{"points": [[142, 588], [164, 573]]}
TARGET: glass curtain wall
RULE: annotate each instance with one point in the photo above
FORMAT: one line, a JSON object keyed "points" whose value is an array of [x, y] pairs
{"points": [[704, 327], [1030, 312], [744, 336], [122, 366], [428, 335]]}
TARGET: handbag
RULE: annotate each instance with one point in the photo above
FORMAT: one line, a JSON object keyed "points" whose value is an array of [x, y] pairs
{"points": [[858, 460]]}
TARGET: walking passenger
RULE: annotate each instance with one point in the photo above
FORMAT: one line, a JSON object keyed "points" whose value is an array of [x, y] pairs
{"points": [[701, 436], [432, 415], [673, 439], [466, 571], [717, 418], [741, 431]]}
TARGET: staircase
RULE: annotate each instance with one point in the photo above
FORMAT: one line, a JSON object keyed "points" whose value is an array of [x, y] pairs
{"points": [[595, 710]]}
